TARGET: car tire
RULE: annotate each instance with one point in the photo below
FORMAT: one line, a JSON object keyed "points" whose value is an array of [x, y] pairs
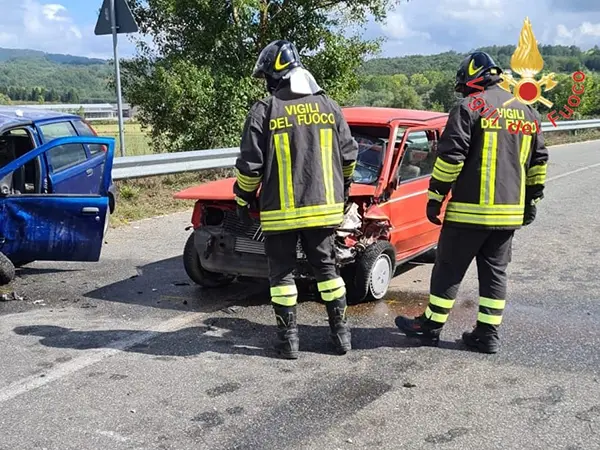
{"points": [[374, 271], [199, 275], [7, 270]]}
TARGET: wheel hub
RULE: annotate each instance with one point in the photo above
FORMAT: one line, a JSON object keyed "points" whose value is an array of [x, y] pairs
{"points": [[380, 276]]}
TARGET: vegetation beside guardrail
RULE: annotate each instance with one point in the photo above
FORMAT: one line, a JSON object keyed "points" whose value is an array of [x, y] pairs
{"points": [[153, 196]]}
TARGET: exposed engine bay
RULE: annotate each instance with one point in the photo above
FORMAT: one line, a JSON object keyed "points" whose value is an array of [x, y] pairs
{"points": [[226, 245], [357, 232]]}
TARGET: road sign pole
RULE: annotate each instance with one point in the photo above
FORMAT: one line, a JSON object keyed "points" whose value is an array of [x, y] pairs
{"points": [[113, 24]]}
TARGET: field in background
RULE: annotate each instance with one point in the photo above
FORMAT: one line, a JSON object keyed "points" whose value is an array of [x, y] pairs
{"points": [[153, 196], [137, 141]]}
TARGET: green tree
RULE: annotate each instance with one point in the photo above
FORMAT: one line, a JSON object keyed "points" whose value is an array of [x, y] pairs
{"points": [[195, 89]]}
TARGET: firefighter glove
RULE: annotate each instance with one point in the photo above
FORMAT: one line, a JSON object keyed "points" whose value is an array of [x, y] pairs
{"points": [[530, 211], [243, 213], [347, 184], [433, 211]]}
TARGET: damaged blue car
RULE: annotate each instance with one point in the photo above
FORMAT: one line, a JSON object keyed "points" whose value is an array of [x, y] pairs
{"points": [[56, 190]]}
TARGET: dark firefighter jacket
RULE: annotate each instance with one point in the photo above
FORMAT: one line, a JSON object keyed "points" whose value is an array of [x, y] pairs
{"points": [[494, 166], [301, 150]]}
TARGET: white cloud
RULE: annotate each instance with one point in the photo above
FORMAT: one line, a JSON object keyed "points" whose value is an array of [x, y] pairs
{"points": [[583, 34], [432, 26], [52, 12], [51, 27], [396, 28]]}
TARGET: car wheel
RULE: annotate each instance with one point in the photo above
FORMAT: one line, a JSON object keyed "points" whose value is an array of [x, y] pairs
{"points": [[199, 275], [7, 270], [374, 272]]}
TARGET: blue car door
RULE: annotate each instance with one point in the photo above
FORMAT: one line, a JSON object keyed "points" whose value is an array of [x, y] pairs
{"points": [[95, 153], [72, 170], [55, 227]]}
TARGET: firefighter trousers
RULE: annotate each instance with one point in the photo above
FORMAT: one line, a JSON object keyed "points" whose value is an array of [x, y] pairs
{"points": [[319, 246], [457, 247]]}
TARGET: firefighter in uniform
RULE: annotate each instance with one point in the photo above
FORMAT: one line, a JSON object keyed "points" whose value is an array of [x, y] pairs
{"points": [[492, 155], [297, 147]]}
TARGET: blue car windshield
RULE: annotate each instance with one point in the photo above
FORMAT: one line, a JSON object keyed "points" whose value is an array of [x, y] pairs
{"points": [[371, 154]]}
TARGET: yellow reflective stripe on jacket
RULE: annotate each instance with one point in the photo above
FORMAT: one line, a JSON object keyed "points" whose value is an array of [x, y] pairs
{"points": [[485, 219], [284, 167], [537, 174], [304, 211], [435, 196], [247, 183], [488, 168], [240, 201], [325, 220], [524, 153], [472, 208], [348, 170], [446, 172], [452, 169], [327, 158]]}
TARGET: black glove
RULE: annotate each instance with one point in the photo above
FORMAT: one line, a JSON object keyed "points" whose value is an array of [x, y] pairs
{"points": [[433, 211], [347, 184], [243, 213], [529, 216], [531, 207]]}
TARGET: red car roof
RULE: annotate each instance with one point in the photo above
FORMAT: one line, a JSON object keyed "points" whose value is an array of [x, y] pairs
{"points": [[382, 116]]}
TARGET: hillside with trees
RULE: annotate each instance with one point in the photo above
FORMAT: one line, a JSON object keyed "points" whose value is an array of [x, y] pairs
{"points": [[32, 76], [417, 81]]}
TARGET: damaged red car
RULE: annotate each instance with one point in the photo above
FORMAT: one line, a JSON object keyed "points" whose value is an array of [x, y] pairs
{"points": [[384, 227]]}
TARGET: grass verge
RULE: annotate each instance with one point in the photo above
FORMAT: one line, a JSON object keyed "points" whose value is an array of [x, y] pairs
{"points": [[148, 197], [153, 196]]}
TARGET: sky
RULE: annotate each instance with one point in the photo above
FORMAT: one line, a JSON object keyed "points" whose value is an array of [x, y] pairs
{"points": [[414, 27]]}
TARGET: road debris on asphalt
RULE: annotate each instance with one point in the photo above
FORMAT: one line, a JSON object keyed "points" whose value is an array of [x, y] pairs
{"points": [[11, 297]]}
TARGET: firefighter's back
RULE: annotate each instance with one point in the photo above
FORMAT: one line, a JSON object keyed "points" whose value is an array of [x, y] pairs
{"points": [[303, 183], [490, 191]]}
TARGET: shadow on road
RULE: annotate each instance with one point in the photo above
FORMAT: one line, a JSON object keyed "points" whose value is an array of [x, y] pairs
{"points": [[165, 285], [23, 272], [224, 335]]}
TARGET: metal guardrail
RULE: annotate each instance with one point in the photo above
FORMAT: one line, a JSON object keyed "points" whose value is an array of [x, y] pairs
{"points": [[224, 158]]}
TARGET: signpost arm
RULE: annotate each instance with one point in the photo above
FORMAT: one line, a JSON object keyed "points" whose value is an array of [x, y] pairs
{"points": [[113, 24]]}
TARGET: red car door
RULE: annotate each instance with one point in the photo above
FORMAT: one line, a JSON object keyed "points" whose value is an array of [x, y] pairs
{"points": [[411, 231]]}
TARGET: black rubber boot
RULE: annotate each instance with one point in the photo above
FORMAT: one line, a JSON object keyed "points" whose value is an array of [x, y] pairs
{"points": [[338, 325], [484, 338], [420, 327], [287, 342]]}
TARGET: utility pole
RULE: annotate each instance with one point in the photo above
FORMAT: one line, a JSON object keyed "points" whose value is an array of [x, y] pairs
{"points": [[113, 26], [116, 18]]}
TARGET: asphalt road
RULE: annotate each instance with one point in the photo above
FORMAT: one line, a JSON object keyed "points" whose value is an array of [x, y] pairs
{"points": [[125, 354]]}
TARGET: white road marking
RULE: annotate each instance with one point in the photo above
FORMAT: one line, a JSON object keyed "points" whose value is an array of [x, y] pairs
{"points": [[566, 174], [92, 357]]}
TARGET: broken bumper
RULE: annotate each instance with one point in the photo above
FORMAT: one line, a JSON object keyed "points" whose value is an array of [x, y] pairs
{"points": [[236, 249], [223, 252]]}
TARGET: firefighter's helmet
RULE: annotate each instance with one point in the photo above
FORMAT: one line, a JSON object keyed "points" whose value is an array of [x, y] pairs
{"points": [[476, 65], [276, 60]]}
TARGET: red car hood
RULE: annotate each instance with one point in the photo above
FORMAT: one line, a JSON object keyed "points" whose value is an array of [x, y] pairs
{"points": [[223, 190]]}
